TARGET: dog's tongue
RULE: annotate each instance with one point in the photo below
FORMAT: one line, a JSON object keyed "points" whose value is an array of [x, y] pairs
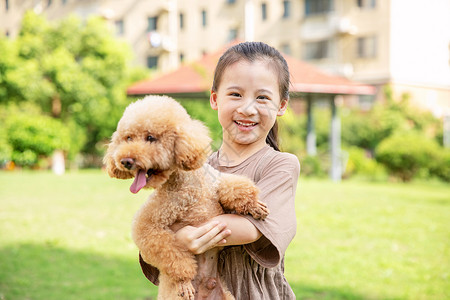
{"points": [[139, 182]]}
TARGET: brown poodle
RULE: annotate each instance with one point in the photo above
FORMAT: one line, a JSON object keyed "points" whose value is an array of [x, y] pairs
{"points": [[158, 144]]}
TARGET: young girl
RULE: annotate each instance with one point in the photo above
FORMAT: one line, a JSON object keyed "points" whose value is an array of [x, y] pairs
{"points": [[250, 89]]}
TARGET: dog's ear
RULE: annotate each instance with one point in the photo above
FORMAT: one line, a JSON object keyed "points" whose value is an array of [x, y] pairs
{"points": [[110, 163], [192, 145]]}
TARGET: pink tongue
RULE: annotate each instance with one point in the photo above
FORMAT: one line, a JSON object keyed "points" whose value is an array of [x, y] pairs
{"points": [[139, 182]]}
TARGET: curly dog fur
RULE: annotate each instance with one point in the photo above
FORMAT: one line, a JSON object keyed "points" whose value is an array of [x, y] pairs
{"points": [[158, 144]]}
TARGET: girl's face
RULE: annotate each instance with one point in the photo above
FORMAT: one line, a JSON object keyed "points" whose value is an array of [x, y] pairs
{"points": [[248, 102]]}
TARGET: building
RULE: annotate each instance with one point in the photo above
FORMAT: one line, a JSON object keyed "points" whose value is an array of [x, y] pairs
{"points": [[403, 43]]}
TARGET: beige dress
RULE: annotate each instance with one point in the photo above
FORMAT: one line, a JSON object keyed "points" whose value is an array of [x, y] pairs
{"points": [[256, 270]]}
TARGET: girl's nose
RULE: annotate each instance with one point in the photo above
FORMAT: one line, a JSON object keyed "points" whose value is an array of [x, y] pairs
{"points": [[248, 107]]}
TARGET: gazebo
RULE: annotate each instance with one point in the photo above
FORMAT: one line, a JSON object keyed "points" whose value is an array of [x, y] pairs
{"points": [[195, 80]]}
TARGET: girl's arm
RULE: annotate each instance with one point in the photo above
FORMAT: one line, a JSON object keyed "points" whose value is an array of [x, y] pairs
{"points": [[222, 230]]}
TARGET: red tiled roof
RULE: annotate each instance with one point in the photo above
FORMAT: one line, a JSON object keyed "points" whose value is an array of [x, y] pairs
{"points": [[197, 78]]}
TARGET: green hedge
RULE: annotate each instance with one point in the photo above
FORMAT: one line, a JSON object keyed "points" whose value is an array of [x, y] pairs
{"points": [[32, 136], [361, 164], [405, 154]]}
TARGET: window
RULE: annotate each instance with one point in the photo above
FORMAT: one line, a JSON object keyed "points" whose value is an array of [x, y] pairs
{"points": [[263, 11], [286, 49], [6, 5], [49, 3], [366, 102], [313, 7], [366, 47], [64, 2], [232, 34], [181, 57], [204, 23], [119, 27], [366, 3], [152, 62], [286, 9], [181, 20], [316, 50], [152, 24], [231, 1]]}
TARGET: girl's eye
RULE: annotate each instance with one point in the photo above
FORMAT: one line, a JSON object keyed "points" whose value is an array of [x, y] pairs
{"points": [[235, 94], [129, 138], [151, 139], [262, 97]]}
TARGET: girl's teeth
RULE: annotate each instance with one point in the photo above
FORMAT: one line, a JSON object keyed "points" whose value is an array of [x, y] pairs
{"points": [[245, 124]]}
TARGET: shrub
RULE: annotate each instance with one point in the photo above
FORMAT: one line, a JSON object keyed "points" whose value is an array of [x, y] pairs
{"points": [[31, 136], [27, 158], [5, 148], [367, 130], [405, 154], [440, 167], [314, 165], [360, 164], [291, 133]]}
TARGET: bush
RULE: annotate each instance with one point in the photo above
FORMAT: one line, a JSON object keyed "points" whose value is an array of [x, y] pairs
{"points": [[362, 165], [441, 166], [5, 148], [367, 130], [291, 133], [314, 165], [405, 154], [27, 158], [31, 136]]}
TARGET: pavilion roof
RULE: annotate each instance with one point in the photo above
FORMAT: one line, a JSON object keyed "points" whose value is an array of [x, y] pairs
{"points": [[196, 77]]}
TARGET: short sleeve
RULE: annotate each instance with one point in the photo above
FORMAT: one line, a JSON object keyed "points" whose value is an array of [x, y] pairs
{"points": [[278, 183]]}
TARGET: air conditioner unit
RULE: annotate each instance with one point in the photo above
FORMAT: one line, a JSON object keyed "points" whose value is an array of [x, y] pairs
{"points": [[344, 26]]}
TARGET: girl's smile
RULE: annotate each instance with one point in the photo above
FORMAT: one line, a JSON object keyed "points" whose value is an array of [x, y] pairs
{"points": [[248, 102]]}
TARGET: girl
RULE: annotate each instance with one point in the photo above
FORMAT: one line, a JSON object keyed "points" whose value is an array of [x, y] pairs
{"points": [[250, 89]]}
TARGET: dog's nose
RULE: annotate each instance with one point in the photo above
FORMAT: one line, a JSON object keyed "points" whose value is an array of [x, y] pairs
{"points": [[127, 162]]}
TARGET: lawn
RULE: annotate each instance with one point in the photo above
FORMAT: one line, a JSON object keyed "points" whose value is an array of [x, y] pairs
{"points": [[68, 237]]}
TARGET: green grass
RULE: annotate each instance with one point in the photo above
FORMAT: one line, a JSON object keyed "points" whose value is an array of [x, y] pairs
{"points": [[68, 237]]}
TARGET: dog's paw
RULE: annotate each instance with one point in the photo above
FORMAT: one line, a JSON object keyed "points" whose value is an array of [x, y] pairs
{"points": [[259, 211], [186, 290]]}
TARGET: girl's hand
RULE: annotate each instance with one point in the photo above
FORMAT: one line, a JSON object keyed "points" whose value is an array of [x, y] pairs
{"points": [[200, 239]]}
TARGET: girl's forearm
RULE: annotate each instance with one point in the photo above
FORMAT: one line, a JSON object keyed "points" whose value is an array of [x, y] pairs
{"points": [[242, 230]]}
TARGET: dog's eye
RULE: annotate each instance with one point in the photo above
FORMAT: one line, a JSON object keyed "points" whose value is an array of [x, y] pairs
{"points": [[129, 138], [151, 139]]}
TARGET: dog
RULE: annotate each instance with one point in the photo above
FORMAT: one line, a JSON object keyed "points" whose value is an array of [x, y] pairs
{"points": [[158, 144]]}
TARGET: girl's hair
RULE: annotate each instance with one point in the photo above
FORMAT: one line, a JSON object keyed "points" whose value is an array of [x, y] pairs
{"points": [[252, 51]]}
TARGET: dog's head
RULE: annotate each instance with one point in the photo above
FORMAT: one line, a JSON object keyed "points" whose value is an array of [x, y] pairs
{"points": [[154, 138]]}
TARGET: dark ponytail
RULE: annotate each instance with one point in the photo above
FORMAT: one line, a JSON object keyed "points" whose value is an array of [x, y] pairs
{"points": [[272, 137]]}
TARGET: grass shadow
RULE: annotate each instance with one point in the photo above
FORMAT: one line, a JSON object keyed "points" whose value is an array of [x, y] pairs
{"points": [[34, 271]]}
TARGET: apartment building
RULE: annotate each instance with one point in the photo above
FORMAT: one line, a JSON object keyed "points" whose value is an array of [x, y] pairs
{"points": [[404, 43]]}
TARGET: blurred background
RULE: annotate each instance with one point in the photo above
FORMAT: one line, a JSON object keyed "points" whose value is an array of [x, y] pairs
{"points": [[369, 108]]}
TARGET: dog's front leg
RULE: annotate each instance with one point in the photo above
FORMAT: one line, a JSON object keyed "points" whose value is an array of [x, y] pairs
{"points": [[240, 194]]}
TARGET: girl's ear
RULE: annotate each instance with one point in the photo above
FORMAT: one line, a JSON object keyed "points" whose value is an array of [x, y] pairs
{"points": [[213, 100], [283, 107]]}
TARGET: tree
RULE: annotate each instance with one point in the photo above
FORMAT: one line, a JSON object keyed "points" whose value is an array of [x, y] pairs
{"points": [[74, 72]]}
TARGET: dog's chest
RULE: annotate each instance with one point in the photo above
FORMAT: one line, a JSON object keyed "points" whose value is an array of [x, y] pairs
{"points": [[189, 197]]}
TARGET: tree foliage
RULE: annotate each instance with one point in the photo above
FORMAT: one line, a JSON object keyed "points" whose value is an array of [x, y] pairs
{"points": [[75, 72]]}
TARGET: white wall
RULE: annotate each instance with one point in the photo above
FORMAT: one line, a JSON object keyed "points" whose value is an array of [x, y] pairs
{"points": [[420, 41]]}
